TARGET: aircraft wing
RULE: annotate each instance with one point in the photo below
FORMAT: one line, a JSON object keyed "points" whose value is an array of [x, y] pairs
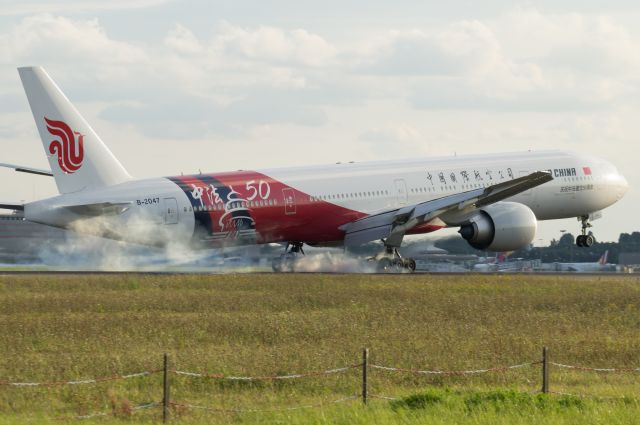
{"points": [[29, 170], [392, 225]]}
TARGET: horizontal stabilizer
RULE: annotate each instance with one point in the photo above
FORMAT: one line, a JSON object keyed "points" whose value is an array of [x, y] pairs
{"points": [[29, 170], [99, 209], [11, 206]]}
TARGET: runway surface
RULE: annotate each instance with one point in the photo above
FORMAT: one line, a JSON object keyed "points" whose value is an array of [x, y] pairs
{"points": [[258, 273]]}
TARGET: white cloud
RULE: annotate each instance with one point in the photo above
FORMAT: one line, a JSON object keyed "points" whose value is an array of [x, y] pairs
{"points": [[80, 47], [462, 65], [400, 134], [523, 60], [466, 53], [411, 53], [486, 65], [275, 45], [526, 32], [29, 7], [182, 40], [590, 54]]}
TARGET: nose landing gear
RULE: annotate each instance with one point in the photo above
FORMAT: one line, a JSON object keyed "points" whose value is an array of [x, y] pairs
{"points": [[585, 240]]}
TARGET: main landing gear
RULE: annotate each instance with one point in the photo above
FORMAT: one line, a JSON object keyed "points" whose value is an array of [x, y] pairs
{"points": [[390, 261], [585, 240], [286, 261]]}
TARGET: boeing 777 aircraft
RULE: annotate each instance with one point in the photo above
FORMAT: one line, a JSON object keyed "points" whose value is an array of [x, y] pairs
{"points": [[495, 200]]}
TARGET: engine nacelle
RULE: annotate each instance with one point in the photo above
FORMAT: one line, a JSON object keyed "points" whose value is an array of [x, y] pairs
{"points": [[504, 226]]}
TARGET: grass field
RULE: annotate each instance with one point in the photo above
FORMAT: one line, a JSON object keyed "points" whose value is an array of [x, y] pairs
{"points": [[55, 328]]}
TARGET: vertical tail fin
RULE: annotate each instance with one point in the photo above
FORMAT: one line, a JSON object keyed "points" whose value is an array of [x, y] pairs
{"points": [[78, 158], [604, 258]]}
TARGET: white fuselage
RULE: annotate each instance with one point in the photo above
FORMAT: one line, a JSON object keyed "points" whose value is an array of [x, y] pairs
{"points": [[408, 182], [309, 204]]}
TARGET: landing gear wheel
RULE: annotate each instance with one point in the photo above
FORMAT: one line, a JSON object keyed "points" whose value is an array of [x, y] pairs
{"points": [[384, 265], [276, 265], [585, 240], [588, 241], [286, 262], [398, 265], [410, 264], [392, 262]]}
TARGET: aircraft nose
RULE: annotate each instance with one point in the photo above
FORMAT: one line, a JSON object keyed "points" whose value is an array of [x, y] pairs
{"points": [[614, 182], [622, 185]]}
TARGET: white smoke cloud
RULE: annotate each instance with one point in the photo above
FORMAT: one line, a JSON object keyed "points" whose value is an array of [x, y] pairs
{"points": [[332, 262]]}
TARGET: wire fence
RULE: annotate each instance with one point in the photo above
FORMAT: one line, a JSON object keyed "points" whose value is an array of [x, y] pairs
{"points": [[595, 369], [266, 378], [454, 372], [364, 395], [81, 381]]}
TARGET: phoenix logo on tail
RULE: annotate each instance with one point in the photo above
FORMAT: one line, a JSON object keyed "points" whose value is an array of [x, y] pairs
{"points": [[68, 148]]}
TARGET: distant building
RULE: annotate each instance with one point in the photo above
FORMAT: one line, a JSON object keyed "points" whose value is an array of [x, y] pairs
{"points": [[25, 242], [629, 261], [22, 241]]}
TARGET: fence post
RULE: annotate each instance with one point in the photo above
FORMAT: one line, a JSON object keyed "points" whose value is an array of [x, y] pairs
{"points": [[165, 390], [365, 368], [545, 370]]}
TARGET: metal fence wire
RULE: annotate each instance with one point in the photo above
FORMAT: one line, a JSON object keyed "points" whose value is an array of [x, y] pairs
{"points": [[365, 367]]}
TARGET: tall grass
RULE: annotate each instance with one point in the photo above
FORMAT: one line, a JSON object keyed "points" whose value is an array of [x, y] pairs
{"points": [[73, 327]]}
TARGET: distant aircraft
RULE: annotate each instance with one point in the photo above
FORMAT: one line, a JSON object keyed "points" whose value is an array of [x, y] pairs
{"points": [[424, 249], [498, 263], [495, 200], [600, 265]]}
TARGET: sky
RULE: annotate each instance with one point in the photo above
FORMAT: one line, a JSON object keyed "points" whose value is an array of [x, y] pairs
{"points": [[182, 86]]}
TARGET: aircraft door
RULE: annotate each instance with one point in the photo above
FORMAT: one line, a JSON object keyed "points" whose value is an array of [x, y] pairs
{"points": [[170, 211], [401, 191], [289, 201]]}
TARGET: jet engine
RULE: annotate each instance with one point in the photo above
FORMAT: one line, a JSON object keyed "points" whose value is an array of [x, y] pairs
{"points": [[504, 226]]}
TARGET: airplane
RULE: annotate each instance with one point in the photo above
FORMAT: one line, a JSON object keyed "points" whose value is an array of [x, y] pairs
{"points": [[598, 266], [497, 263], [495, 200]]}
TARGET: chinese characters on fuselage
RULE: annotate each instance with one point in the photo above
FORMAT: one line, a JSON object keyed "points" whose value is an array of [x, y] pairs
{"points": [[463, 176]]}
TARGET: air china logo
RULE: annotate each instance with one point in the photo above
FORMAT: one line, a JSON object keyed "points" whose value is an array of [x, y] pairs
{"points": [[68, 147]]}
